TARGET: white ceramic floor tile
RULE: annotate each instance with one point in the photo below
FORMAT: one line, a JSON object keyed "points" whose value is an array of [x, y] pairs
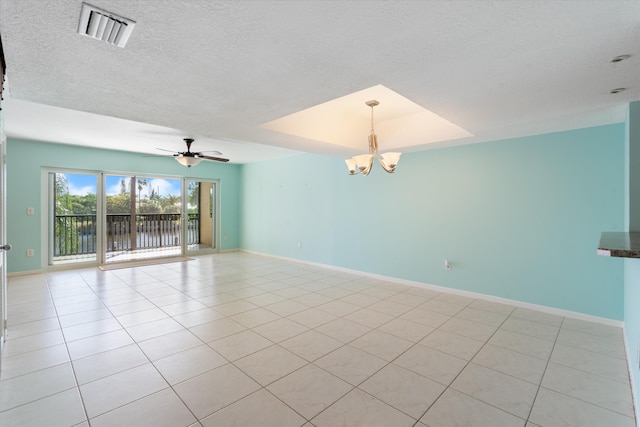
{"points": [[309, 390], [606, 346], [259, 409], [36, 385], [21, 364], [497, 389], [528, 327], [512, 363], [521, 343], [213, 390], [406, 329], [98, 343], [107, 363], [140, 317], [467, 328], [84, 330], [600, 391], [217, 329], [270, 364], [188, 364], [359, 299], [312, 317], [390, 308], [369, 318], [426, 317], [343, 330], [240, 345], [163, 408], [382, 345], [131, 307], [32, 328], [338, 308], [405, 390], [481, 316], [537, 316], [84, 317], [265, 299], [311, 345], [168, 344], [453, 344], [235, 307], [494, 307], [360, 409], [592, 328], [258, 312], [351, 364], [256, 317], [198, 317], [15, 346], [154, 329], [62, 409], [453, 299], [438, 366], [454, 409], [280, 330], [594, 363], [557, 409], [119, 389]]}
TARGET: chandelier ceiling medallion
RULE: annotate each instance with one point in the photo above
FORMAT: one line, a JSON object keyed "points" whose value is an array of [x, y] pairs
{"points": [[363, 163]]}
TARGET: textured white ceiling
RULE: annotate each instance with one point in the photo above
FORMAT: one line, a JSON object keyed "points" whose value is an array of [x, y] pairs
{"points": [[218, 70]]}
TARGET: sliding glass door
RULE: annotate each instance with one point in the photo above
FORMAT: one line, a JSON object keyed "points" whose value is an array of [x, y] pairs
{"points": [[73, 212], [143, 217], [108, 218], [202, 224]]}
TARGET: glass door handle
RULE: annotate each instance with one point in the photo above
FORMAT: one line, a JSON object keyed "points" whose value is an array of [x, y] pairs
{"points": [[5, 247]]}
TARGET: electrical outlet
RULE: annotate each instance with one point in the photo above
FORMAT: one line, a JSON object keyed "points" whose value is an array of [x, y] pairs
{"points": [[29, 252]]}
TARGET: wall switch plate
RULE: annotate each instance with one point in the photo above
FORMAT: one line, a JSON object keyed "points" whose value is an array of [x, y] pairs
{"points": [[30, 211], [29, 252]]}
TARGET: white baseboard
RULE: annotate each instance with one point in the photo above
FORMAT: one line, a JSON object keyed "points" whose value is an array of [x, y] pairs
{"points": [[24, 273], [476, 295]]}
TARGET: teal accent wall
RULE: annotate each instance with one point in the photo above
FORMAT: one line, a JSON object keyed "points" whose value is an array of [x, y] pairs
{"points": [[518, 219], [632, 266], [26, 159]]}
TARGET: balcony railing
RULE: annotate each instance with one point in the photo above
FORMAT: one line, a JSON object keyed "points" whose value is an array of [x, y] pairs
{"points": [[76, 234]]}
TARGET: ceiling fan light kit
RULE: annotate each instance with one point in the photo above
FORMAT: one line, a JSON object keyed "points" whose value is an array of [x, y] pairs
{"points": [[363, 162], [187, 161], [191, 158]]}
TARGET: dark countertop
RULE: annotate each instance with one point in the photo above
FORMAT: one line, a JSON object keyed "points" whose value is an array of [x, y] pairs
{"points": [[620, 244]]}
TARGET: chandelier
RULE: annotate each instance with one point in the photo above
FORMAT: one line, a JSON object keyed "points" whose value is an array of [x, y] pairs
{"points": [[362, 163]]}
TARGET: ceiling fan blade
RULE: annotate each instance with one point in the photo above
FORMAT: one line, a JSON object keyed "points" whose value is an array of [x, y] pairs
{"points": [[212, 152], [215, 159], [162, 149]]}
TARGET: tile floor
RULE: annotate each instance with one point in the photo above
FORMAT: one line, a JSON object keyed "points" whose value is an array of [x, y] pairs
{"points": [[242, 340]]}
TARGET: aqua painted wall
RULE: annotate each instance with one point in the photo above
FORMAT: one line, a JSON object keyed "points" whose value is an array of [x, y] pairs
{"points": [[632, 266], [519, 219], [26, 159]]}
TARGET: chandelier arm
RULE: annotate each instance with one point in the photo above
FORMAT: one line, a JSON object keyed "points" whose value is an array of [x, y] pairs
{"points": [[384, 165], [366, 171]]}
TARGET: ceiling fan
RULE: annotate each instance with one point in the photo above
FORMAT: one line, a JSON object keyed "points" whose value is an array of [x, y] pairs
{"points": [[189, 158]]}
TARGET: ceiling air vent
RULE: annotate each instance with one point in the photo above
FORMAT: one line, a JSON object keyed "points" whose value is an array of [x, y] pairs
{"points": [[106, 26]]}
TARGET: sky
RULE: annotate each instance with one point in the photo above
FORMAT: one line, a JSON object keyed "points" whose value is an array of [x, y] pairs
{"points": [[82, 184]]}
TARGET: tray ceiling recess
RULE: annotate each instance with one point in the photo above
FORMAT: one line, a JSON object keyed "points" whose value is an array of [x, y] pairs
{"points": [[106, 26], [344, 121]]}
